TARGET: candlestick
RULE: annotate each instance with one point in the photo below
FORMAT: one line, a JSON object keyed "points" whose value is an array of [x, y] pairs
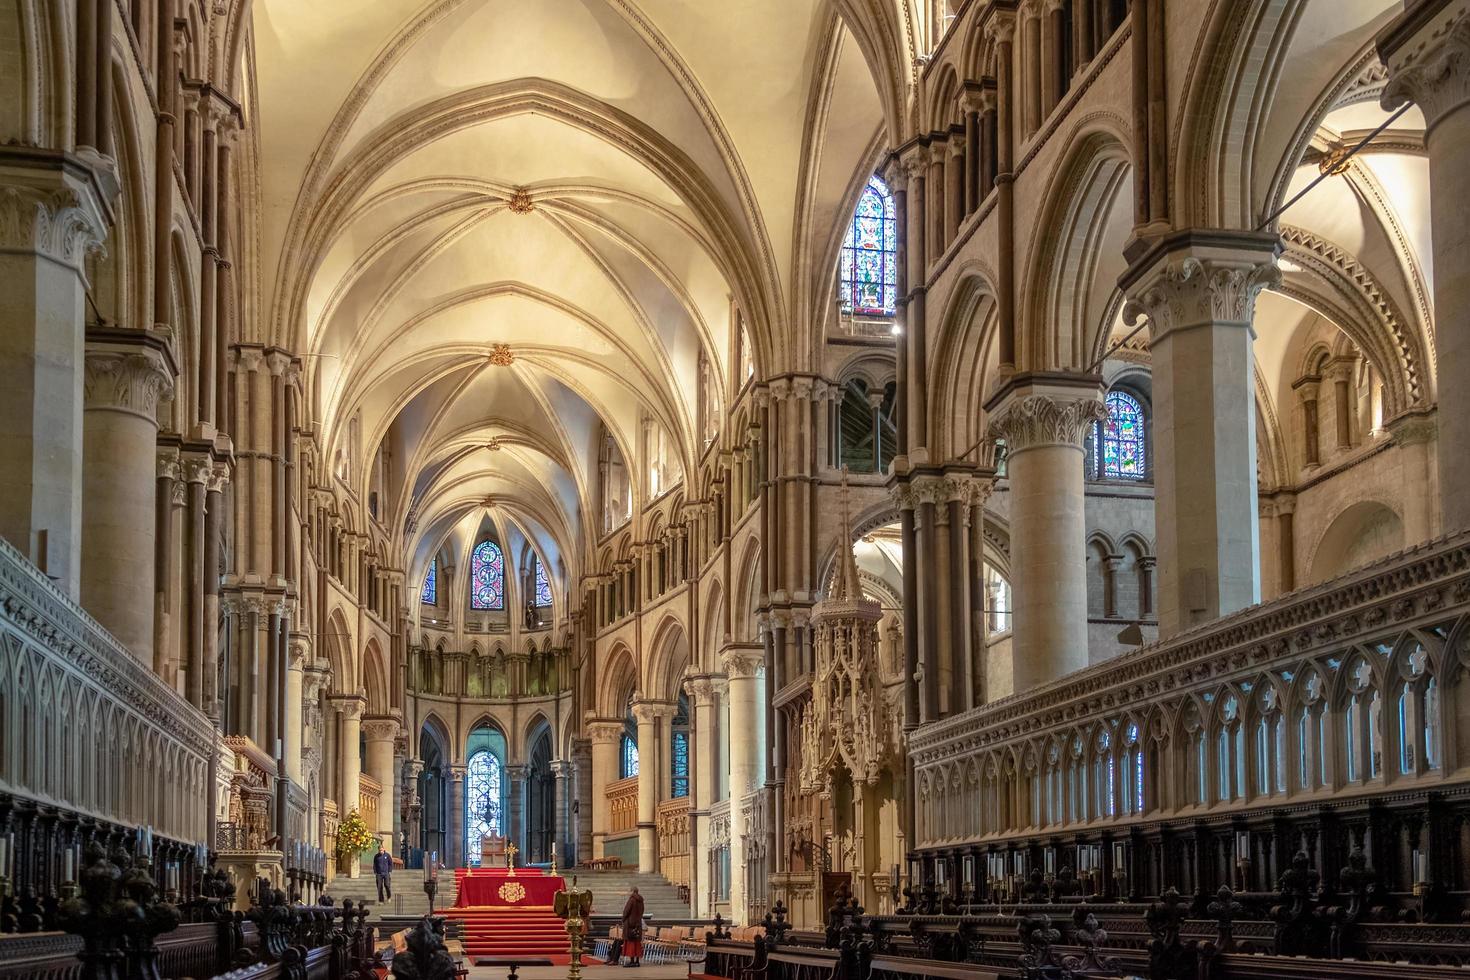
{"points": [[68, 865]]}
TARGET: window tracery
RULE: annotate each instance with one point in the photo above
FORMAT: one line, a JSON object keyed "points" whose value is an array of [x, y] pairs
{"points": [[487, 577], [1119, 444], [430, 594], [482, 801], [868, 274]]}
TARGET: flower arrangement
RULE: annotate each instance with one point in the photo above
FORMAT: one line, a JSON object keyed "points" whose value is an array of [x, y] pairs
{"points": [[353, 835]]}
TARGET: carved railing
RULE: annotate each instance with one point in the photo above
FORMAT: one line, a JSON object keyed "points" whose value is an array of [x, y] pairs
{"points": [[622, 803], [672, 821], [61, 676], [1341, 695], [369, 796]]}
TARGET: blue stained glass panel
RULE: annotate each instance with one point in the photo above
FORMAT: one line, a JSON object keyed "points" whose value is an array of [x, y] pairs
{"points": [[430, 595], [629, 766], [1118, 444], [681, 764], [868, 267], [482, 801], [543, 587], [487, 577]]}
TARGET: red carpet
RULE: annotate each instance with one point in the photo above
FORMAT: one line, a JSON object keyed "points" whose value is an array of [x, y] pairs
{"points": [[500, 930]]}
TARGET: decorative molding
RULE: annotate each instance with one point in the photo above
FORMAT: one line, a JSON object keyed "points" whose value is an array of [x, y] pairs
{"points": [[1432, 71], [131, 381], [1032, 421], [57, 223], [1192, 291], [741, 664]]}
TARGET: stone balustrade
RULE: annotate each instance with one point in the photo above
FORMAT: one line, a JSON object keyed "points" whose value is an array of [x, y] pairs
{"points": [[87, 725], [1341, 696]]}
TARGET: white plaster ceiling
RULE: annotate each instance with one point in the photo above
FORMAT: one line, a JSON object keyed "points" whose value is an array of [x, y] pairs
{"points": [[661, 147]]}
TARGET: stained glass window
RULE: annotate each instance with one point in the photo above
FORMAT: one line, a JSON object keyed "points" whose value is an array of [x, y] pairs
{"points": [[482, 801], [629, 764], [430, 595], [1118, 450], [543, 587], [868, 272], [681, 764], [487, 577]]}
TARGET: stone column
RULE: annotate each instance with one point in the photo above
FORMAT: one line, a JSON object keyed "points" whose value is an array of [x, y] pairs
{"points": [[380, 733], [741, 667], [349, 764], [703, 691], [1427, 51], [516, 798], [1341, 371], [561, 821], [1043, 419], [1198, 290], [54, 209], [127, 372], [454, 837], [1306, 391], [604, 733], [651, 716], [295, 708]]}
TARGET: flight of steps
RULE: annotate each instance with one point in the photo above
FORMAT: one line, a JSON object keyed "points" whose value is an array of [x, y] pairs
{"points": [[408, 893], [610, 890]]}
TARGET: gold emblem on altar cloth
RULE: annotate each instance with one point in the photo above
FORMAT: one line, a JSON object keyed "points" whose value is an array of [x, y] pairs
{"points": [[512, 892]]}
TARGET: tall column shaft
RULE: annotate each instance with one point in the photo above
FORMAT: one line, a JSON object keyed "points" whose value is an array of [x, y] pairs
{"points": [[604, 735], [294, 713], [1198, 290], [454, 855], [703, 690], [1043, 420], [745, 767], [650, 717], [380, 733], [516, 798], [53, 212], [1427, 51], [125, 377]]}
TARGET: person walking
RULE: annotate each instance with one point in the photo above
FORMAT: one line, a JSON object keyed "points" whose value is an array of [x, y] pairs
{"points": [[383, 871], [633, 928]]}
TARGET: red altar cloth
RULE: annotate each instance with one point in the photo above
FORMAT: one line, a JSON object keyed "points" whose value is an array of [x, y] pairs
{"points": [[495, 888]]}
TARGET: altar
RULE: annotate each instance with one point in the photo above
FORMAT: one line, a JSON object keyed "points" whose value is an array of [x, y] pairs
{"points": [[497, 888]]}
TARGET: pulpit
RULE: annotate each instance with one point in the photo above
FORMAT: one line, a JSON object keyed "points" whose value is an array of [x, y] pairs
{"points": [[492, 851]]}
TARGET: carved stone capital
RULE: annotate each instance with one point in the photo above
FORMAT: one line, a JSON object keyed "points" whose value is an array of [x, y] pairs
{"points": [[741, 664], [127, 379], [349, 706], [652, 712], [198, 469], [1196, 279], [1427, 52], [1030, 419], [603, 730], [380, 729], [704, 688], [62, 223], [168, 464]]}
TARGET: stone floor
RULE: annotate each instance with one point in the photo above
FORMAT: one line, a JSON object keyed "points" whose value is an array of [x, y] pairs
{"points": [[663, 971]]}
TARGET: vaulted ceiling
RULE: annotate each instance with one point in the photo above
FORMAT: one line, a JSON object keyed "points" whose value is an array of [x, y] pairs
{"points": [[597, 184]]}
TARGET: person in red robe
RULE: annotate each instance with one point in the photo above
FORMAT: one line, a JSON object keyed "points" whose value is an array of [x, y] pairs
{"points": [[633, 929]]}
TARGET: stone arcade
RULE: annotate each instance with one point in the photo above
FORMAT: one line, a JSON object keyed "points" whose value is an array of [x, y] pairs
{"points": [[856, 468]]}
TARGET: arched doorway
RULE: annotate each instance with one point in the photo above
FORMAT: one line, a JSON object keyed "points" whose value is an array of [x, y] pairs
{"points": [[540, 798], [433, 816]]}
